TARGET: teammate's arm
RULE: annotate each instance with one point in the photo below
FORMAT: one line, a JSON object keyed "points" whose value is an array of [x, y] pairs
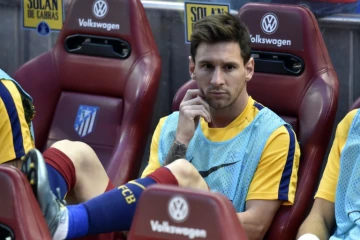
{"points": [[320, 220]]}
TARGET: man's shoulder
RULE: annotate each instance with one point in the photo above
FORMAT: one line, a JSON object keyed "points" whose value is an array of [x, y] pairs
{"points": [[259, 107], [268, 115], [165, 118], [345, 124], [162, 122], [4, 75], [284, 134], [349, 117], [8, 90]]}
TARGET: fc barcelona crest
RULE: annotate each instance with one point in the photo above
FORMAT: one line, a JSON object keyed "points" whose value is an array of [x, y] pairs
{"points": [[85, 120]]}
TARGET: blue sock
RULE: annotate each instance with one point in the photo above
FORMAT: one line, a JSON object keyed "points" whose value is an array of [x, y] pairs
{"points": [[56, 180], [111, 211], [78, 221]]}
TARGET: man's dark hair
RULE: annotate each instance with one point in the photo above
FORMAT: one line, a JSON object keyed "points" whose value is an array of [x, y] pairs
{"points": [[221, 28]]}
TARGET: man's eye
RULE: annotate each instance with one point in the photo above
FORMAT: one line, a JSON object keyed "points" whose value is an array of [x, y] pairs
{"points": [[229, 67]]}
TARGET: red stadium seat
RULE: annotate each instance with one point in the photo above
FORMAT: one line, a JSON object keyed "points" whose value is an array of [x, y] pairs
{"points": [[356, 104], [295, 78], [98, 84], [168, 212], [19, 210]]}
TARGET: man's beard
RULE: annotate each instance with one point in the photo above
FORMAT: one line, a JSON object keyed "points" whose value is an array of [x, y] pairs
{"points": [[219, 105]]}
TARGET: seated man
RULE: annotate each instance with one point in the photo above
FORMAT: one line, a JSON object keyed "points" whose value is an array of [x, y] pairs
{"points": [[63, 159], [336, 209], [233, 145]]}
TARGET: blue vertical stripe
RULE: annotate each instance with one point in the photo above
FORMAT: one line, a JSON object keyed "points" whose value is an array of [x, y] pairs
{"points": [[286, 175], [258, 106], [14, 120]]}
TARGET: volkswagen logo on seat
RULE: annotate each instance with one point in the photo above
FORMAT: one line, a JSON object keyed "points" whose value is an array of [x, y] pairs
{"points": [[269, 23], [178, 209], [100, 8]]}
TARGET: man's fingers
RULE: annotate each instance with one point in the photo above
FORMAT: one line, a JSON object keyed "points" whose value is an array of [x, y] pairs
{"points": [[196, 101], [204, 103], [192, 93], [197, 111]]}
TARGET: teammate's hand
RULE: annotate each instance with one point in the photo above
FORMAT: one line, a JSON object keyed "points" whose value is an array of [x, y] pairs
{"points": [[191, 109]]}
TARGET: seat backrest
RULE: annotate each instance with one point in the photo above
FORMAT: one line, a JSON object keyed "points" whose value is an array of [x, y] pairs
{"points": [[295, 78], [182, 213], [355, 104], [98, 84], [19, 210]]}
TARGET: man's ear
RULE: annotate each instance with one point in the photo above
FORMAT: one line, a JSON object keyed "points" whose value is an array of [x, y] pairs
{"points": [[249, 68], [191, 67]]}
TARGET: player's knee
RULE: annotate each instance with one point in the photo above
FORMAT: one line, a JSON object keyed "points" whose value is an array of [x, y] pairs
{"points": [[185, 172], [185, 169], [81, 154]]}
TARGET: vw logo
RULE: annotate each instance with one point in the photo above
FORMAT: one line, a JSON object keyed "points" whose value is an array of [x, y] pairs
{"points": [[100, 8], [269, 23], [178, 209]]}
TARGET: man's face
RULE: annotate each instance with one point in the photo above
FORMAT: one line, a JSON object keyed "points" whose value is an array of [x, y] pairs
{"points": [[220, 73]]}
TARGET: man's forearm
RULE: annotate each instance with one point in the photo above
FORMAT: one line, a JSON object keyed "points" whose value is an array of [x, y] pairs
{"points": [[177, 151], [320, 221], [252, 228], [258, 217], [314, 225]]}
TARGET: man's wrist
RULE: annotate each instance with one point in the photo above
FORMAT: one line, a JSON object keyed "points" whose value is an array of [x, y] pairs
{"points": [[181, 146], [179, 140], [177, 151]]}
